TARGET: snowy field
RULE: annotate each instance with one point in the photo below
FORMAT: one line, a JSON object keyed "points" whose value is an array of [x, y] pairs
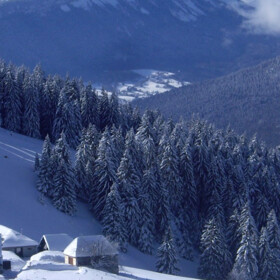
{"points": [[151, 82], [23, 210], [50, 266]]}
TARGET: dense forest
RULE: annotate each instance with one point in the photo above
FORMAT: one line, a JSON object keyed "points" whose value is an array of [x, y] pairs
{"points": [[248, 100], [169, 189]]}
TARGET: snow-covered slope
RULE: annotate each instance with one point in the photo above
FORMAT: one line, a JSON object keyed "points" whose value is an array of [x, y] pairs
{"points": [[23, 210], [50, 266], [151, 82]]}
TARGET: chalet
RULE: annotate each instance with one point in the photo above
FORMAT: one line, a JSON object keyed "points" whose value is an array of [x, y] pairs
{"points": [[95, 251], [54, 242], [18, 243]]}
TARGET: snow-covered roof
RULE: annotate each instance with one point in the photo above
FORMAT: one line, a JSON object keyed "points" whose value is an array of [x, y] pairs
{"points": [[12, 238], [90, 246], [57, 242]]}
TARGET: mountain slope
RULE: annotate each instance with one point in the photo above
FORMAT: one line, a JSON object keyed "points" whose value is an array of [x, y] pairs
{"points": [[93, 38], [248, 100], [22, 208]]}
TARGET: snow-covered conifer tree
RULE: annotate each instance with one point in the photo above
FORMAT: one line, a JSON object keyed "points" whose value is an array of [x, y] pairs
{"points": [[104, 110], [31, 118], [273, 232], [64, 197], [246, 263], [104, 174], [114, 114], [167, 255], [85, 158], [169, 169], [269, 263], [130, 183], [113, 218], [147, 222], [48, 103], [12, 108], [46, 172], [89, 107], [215, 261]]}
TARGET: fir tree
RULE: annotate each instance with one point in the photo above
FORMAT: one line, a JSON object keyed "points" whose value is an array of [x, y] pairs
{"points": [[273, 232], [215, 262], [130, 183], [31, 118], [89, 107], [48, 104], [246, 263], [113, 219], [64, 197], [82, 155], [12, 107], [114, 115], [104, 110], [169, 168], [104, 175], [268, 262], [145, 242], [46, 172], [68, 119], [167, 255]]}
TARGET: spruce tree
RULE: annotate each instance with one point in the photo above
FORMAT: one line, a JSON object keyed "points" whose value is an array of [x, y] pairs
{"points": [[31, 118], [46, 172], [104, 110], [113, 219], [167, 255], [80, 167], [169, 168], [114, 115], [215, 261], [68, 119], [268, 262], [64, 197], [48, 104], [246, 263], [273, 232], [104, 175], [12, 105], [89, 107], [129, 180], [63, 193], [147, 222]]}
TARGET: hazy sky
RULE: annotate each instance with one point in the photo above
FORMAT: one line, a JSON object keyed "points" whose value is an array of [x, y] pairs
{"points": [[261, 16]]}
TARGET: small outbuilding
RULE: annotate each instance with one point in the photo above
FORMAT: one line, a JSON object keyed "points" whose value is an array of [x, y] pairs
{"points": [[18, 243], [54, 242], [94, 251]]}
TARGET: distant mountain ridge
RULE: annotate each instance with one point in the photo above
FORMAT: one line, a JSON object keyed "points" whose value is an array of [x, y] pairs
{"points": [[185, 10], [95, 38], [247, 100]]}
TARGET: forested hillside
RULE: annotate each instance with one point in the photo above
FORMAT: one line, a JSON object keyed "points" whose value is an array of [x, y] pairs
{"points": [[189, 187], [247, 100], [36, 105], [169, 189]]}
